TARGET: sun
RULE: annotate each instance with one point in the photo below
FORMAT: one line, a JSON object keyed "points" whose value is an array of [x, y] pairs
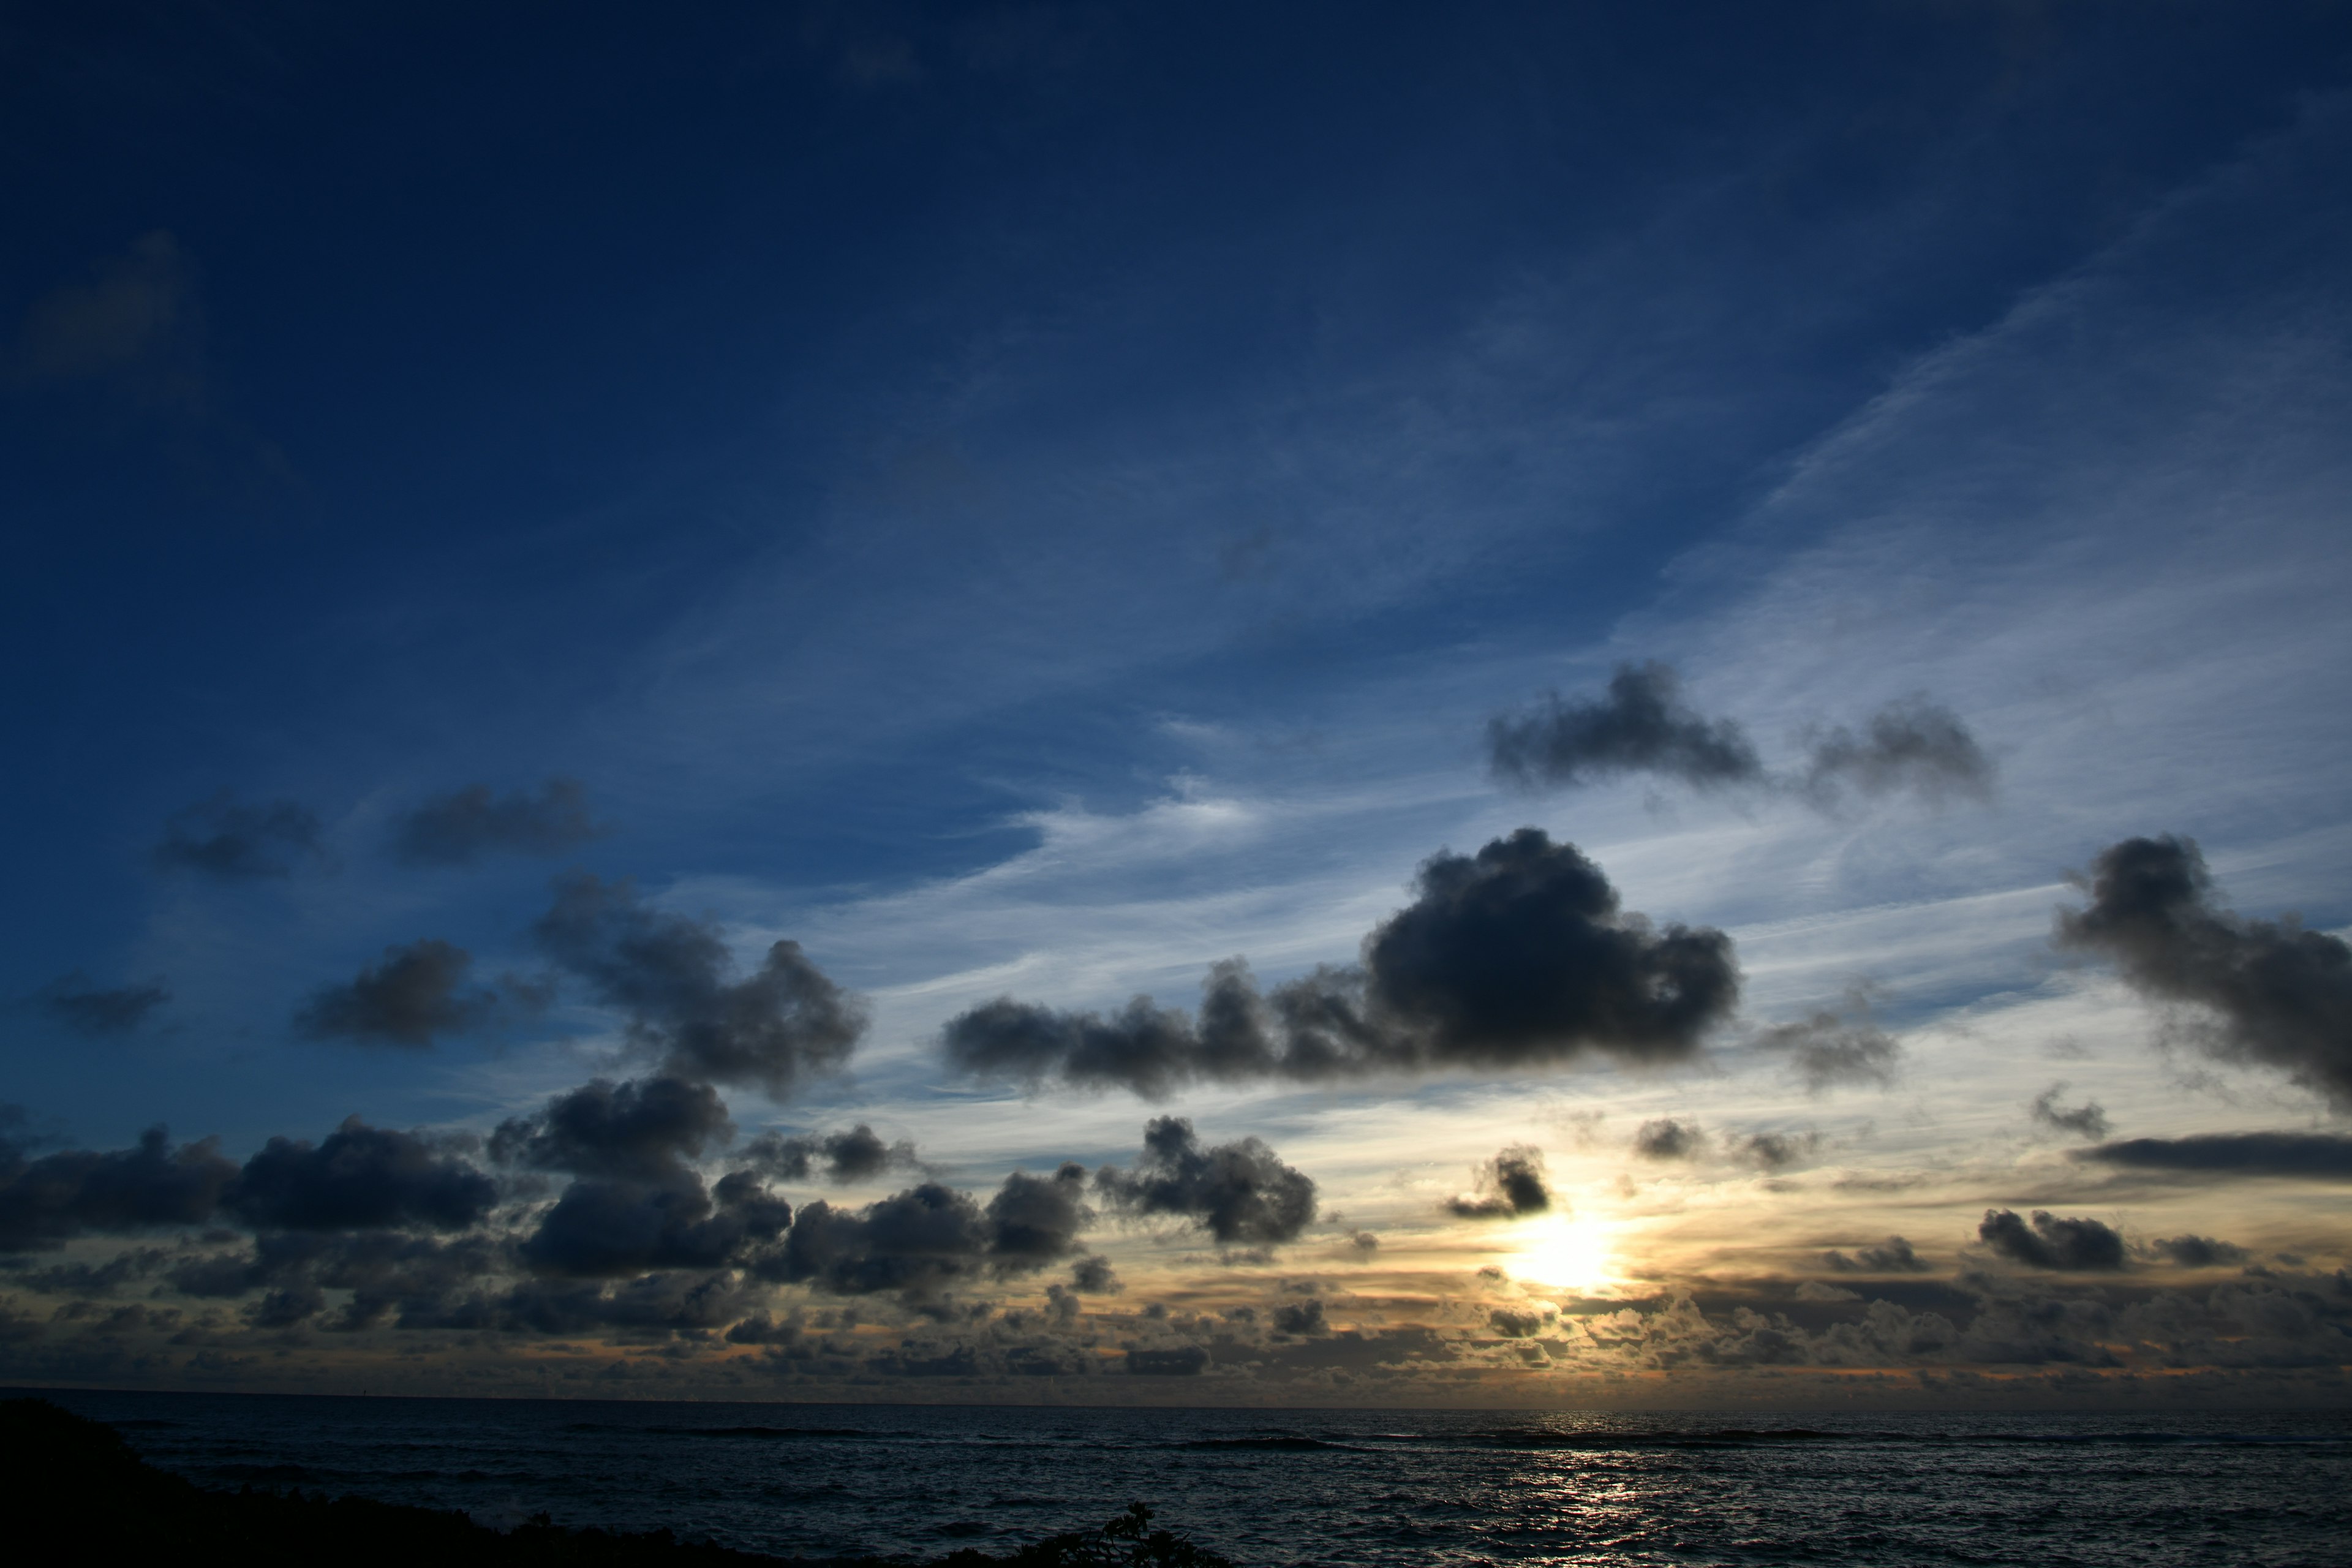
{"points": [[1568, 1253]]}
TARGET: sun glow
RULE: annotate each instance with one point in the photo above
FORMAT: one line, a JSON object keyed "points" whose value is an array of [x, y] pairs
{"points": [[1568, 1253]]}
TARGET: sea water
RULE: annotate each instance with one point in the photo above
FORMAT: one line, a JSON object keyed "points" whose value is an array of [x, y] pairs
{"points": [[1374, 1487]]}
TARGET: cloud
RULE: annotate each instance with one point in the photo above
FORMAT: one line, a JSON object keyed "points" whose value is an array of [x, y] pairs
{"points": [[602, 1226], [2196, 1251], [230, 842], [458, 829], [641, 1128], [1240, 1193], [929, 1238], [1772, 1151], [360, 1178], [1911, 745], [857, 1155], [2276, 994], [58, 1196], [1095, 1277], [2089, 1120], [1185, 1360], [2052, 1242], [412, 994], [1830, 1049], [1508, 1185], [2307, 1155], [1303, 1320], [133, 325], [1667, 1138], [784, 1024], [1518, 957], [1893, 1256], [1642, 726], [86, 1008]]}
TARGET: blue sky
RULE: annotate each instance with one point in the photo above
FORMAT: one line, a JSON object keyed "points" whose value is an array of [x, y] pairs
{"points": [[1030, 502]]}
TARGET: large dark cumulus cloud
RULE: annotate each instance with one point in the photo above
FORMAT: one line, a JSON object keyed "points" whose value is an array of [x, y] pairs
{"points": [[1642, 725], [458, 828], [51, 1199], [2326, 1156], [223, 838], [645, 1129], [1240, 1193], [86, 1008], [2276, 994], [1518, 957], [406, 998], [360, 1178], [1509, 1185], [931, 1236], [775, 1028], [2050, 1242], [858, 1155]]}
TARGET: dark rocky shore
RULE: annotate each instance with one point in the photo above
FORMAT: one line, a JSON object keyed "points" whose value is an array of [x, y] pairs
{"points": [[75, 1488]]}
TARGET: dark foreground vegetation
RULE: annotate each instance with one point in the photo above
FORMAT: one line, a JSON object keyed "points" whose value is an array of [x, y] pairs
{"points": [[75, 1488]]}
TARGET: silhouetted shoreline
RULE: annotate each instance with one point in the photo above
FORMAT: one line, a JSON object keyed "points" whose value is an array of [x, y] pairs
{"points": [[79, 1487]]}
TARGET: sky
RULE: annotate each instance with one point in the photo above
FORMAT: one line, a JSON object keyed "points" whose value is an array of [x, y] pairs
{"points": [[1554, 705]]}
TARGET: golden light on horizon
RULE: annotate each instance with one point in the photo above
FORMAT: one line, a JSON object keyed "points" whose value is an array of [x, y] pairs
{"points": [[1564, 1252]]}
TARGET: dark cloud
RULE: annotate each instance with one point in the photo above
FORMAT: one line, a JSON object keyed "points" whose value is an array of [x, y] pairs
{"points": [[1642, 725], [86, 1008], [1518, 1323], [857, 1156], [602, 1227], [1667, 1138], [2089, 1120], [1302, 1319], [1518, 957], [410, 995], [51, 1199], [1508, 1185], [2052, 1242], [1773, 1150], [2274, 992], [1185, 1360], [458, 829], [642, 1129], [1834, 1048], [360, 1178], [221, 838], [1241, 1194], [2308, 1155], [2196, 1251], [930, 1237], [1893, 1256], [1095, 1277], [1913, 746], [784, 1024]]}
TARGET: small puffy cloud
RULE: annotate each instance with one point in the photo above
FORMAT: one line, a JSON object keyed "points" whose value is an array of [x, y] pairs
{"points": [[673, 977], [930, 1237], [1508, 1185], [643, 1128], [1095, 1277], [460, 828], [1668, 1138], [360, 1178], [1772, 1151], [2323, 1156], [1912, 746], [229, 841], [1516, 958], [86, 1008], [1240, 1193], [1641, 725], [1837, 1048], [2196, 1251], [54, 1198], [2271, 993], [1893, 1256], [2050, 1242], [1301, 1320], [2089, 1120], [406, 998], [858, 1155]]}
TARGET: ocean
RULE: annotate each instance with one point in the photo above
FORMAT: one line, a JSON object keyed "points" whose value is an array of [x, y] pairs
{"points": [[1315, 1487]]}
